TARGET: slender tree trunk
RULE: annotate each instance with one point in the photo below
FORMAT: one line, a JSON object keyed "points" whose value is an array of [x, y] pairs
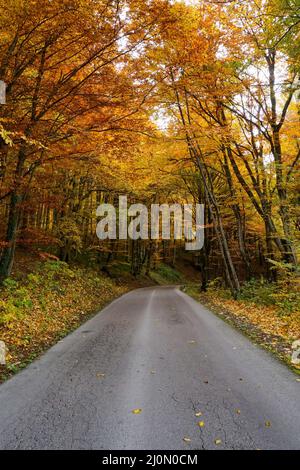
{"points": [[276, 123], [238, 217], [7, 258], [289, 254], [271, 273]]}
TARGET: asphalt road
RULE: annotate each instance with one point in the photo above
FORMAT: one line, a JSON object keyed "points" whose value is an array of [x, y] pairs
{"points": [[163, 353]]}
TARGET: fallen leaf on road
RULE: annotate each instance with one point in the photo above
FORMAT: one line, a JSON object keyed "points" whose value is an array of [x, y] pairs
{"points": [[187, 439], [153, 371], [267, 424], [201, 424], [198, 414], [238, 412], [100, 375], [137, 411], [218, 441], [297, 380], [192, 341]]}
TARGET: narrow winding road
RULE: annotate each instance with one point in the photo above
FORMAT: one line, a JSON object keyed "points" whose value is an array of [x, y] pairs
{"points": [[156, 350]]}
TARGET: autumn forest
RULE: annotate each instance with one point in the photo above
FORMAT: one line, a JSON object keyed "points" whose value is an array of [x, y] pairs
{"points": [[165, 102]]}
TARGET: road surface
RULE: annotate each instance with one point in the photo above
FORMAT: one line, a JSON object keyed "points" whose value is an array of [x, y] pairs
{"points": [[158, 351]]}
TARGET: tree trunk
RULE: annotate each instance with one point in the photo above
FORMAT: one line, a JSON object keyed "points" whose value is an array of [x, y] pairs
{"points": [[7, 258], [238, 217]]}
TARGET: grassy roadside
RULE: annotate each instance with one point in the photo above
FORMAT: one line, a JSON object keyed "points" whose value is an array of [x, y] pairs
{"points": [[40, 307], [269, 324]]}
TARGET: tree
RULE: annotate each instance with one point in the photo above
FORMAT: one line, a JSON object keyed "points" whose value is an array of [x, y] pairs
{"points": [[60, 65]]}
